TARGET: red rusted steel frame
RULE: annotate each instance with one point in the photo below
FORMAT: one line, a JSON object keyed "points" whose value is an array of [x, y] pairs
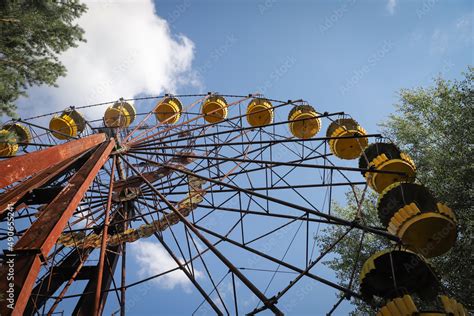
{"points": [[182, 266], [13, 195], [39, 239], [85, 305], [58, 275], [57, 213], [123, 284], [104, 241], [39, 160], [73, 277]]}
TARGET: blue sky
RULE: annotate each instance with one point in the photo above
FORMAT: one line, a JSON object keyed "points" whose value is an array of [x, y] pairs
{"points": [[350, 56]]}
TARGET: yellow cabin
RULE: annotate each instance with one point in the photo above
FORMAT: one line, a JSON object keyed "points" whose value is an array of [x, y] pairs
{"points": [[120, 115], [259, 112], [12, 136], [69, 124], [8, 143], [405, 306], [168, 110], [386, 157], [409, 211], [214, 109], [412, 273], [304, 121], [346, 148]]}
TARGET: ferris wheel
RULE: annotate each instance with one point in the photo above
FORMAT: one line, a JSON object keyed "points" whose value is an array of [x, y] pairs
{"points": [[232, 187]]}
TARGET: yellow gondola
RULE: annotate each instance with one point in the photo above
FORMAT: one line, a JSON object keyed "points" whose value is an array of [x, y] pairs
{"points": [[168, 110], [411, 271], [21, 131], [11, 136], [386, 157], [214, 109], [69, 124], [409, 211], [349, 148], [304, 121], [8, 143], [120, 115], [405, 306], [399, 306], [259, 112]]}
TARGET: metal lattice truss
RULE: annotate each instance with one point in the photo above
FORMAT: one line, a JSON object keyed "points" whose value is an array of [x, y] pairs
{"points": [[235, 207]]}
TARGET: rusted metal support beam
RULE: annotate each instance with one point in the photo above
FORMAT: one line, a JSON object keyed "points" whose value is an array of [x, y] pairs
{"points": [[43, 233], [17, 168], [103, 246], [16, 193], [123, 284], [72, 278], [85, 305], [39, 239], [54, 279]]}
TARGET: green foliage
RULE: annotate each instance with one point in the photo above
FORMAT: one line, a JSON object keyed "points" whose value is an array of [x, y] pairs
{"points": [[435, 126], [32, 35], [349, 261]]}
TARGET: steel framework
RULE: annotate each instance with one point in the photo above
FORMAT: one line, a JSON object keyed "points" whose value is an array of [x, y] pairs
{"points": [[228, 204]]}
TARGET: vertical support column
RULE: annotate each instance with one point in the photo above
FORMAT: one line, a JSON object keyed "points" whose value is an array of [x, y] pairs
{"points": [[124, 263], [85, 305], [103, 246], [42, 235]]}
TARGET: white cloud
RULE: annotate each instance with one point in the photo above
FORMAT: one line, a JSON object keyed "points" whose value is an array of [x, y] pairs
{"points": [[464, 28], [455, 36], [129, 50], [439, 41], [391, 4], [226, 291], [153, 259]]}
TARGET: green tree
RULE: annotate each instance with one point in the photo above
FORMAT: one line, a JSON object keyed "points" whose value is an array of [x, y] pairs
{"points": [[435, 126], [32, 35]]}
